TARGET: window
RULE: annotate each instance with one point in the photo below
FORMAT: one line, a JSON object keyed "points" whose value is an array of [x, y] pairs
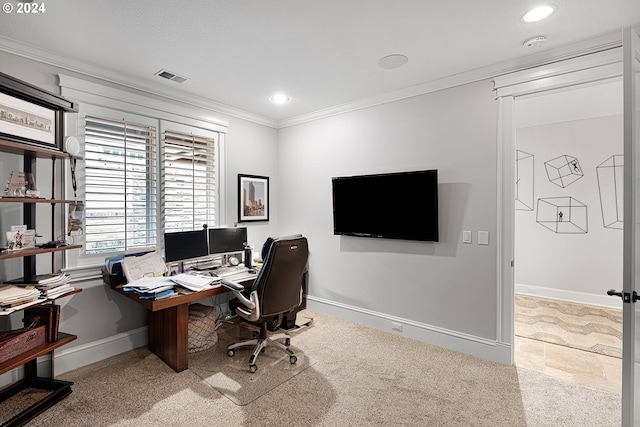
{"points": [[188, 180], [126, 208], [120, 185], [148, 164]]}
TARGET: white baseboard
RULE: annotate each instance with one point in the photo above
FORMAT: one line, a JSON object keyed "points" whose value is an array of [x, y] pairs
{"points": [[486, 349], [68, 359], [571, 296]]}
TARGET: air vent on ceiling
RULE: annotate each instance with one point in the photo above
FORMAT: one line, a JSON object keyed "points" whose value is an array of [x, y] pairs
{"points": [[171, 76]]}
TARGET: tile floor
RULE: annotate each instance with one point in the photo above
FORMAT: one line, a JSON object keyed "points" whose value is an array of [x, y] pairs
{"points": [[582, 367]]}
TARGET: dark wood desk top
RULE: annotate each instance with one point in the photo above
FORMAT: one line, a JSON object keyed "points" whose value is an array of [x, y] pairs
{"points": [[177, 299]]}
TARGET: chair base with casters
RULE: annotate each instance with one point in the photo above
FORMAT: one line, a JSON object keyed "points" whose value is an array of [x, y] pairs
{"points": [[261, 343]]}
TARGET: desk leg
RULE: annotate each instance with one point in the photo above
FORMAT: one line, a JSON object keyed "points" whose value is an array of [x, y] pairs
{"points": [[169, 335]]}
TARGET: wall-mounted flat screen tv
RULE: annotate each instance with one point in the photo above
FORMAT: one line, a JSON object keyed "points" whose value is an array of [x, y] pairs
{"points": [[402, 205]]}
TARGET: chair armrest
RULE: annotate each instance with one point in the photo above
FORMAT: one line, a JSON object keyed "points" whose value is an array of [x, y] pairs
{"points": [[233, 286], [252, 310]]}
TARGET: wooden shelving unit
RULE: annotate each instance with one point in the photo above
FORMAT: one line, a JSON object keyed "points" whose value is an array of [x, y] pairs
{"points": [[54, 389]]}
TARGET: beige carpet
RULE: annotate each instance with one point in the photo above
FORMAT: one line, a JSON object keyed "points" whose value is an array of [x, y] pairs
{"points": [[585, 327], [229, 375], [361, 377]]}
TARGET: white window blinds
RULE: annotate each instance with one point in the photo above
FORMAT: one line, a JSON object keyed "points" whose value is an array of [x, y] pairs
{"points": [[188, 181], [120, 185]]}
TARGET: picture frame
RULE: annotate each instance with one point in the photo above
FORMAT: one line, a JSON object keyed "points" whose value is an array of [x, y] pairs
{"points": [[24, 121], [253, 198]]}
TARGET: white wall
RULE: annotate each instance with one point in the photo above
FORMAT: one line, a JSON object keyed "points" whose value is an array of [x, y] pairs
{"points": [[578, 267], [447, 285]]}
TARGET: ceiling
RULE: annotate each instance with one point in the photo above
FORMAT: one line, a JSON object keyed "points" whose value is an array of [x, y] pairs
{"points": [[321, 53]]}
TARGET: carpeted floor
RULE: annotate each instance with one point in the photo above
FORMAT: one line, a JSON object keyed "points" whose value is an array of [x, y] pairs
{"points": [[584, 327], [224, 373], [359, 377]]}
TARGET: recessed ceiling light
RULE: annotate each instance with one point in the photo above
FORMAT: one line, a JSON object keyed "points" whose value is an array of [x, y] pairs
{"points": [[392, 61], [279, 98], [538, 13]]}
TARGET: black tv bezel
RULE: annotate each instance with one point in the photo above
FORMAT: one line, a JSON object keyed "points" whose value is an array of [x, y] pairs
{"points": [[433, 236]]}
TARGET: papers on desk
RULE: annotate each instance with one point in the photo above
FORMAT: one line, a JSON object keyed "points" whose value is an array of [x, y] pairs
{"points": [[163, 287], [194, 282], [148, 284]]}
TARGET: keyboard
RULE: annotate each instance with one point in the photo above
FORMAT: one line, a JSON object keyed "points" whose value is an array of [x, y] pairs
{"points": [[226, 272]]}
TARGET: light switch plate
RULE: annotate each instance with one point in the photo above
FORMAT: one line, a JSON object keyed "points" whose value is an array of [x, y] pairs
{"points": [[483, 237], [466, 237]]}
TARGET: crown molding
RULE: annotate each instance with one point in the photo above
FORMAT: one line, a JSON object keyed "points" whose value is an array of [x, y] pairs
{"points": [[586, 47], [604, 43], [72, 64]]}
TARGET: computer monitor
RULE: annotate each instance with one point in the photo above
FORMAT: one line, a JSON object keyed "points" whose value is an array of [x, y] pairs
{"points": [[185, 245], [227, 240]]}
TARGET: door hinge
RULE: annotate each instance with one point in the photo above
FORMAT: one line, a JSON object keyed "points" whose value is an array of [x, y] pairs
{"points": [[626, 296]]}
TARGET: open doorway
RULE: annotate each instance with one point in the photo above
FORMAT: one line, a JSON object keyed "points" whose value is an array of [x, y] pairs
{"points": [[568, 233]]}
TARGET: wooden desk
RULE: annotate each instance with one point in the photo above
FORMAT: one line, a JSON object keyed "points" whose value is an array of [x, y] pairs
{"points": [[168, 331]]}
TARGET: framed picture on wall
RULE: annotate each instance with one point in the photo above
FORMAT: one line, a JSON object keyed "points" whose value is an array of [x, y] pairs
{"points": [[27, 122], [253, 198]]}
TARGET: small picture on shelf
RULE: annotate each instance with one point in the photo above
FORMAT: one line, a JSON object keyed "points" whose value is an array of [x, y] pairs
{"points": [[20, 184], [20, 238]]}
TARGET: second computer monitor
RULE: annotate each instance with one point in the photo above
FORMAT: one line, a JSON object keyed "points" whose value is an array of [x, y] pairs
{"points": [[227, 240], [185, 245]]}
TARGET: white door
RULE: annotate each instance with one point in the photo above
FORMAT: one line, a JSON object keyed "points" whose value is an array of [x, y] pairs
{"points": [[631, 276]]}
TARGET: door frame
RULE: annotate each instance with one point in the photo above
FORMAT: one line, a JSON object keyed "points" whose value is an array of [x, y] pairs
{"points": [[600, 65], [631, 53]]}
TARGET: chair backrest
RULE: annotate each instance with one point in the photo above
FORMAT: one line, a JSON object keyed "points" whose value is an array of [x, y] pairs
{"points": [[280, 279]]}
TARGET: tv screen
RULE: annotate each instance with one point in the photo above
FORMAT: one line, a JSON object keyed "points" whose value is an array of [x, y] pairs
{"points": [[227, 240], [402, 205], [184, 245]]}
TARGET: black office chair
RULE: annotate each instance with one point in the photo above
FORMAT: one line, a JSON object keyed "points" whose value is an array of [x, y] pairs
{"points": [[277, 290]]}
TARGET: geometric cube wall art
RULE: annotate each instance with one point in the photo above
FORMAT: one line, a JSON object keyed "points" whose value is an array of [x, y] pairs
{"points": [[563, 215], [524, 181], [563, 170], [610, 183]]}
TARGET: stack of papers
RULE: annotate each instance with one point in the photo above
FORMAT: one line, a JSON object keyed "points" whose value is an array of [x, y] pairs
{"points": [[149, 284], [158, 287], [55, 286], [15, 297], [194, 282]]}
